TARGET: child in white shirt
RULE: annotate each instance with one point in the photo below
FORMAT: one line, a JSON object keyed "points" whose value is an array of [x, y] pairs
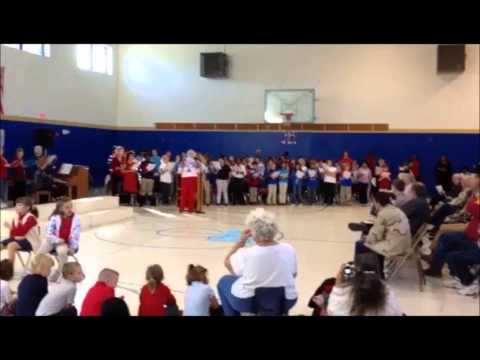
{"points": [[200, 298]]}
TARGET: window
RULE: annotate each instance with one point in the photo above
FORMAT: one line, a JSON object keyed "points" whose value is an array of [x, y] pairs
{"points": [[37, 49], [96, 57]]}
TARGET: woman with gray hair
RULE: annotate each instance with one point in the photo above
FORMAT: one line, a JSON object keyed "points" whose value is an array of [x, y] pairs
{"points": [[267, 264]]}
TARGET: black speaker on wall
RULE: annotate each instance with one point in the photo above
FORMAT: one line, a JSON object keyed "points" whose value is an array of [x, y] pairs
{"points": [[451, 58], [44, 137], [213, 65]]}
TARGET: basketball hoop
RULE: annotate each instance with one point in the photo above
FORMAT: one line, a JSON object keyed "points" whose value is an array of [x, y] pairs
{"points": [[288, 115]]}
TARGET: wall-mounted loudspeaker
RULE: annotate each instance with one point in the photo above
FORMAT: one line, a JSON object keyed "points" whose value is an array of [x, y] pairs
{"points": [[213, 65], [451, 58]]}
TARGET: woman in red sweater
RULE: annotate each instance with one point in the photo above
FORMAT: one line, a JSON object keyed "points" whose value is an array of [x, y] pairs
{"points": [[24, 233], [155, 296], [130, 175]]}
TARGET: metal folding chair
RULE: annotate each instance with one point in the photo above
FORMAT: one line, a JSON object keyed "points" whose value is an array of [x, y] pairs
{"points": [[396, 263], [25, 264]]}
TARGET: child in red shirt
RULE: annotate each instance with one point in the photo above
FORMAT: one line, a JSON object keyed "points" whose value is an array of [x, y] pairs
{"points": [[24, 230], [155, 296], [103, 289]]}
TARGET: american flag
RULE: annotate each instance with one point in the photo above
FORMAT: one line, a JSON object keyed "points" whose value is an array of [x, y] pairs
{"points": [[2, 77]]}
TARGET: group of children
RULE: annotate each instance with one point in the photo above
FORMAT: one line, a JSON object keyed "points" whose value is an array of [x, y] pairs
{"points": [[48, 292], [252, 180]]}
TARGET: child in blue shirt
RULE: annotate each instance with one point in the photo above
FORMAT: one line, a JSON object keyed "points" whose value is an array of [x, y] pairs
{"points": [[283, 184], [272, 182]]}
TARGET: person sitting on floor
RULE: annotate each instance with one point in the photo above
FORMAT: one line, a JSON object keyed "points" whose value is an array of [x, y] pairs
{"points": [[60, 298], [267, 264], [155, 296], [103, 290], [390, 233], [34, 287], [200, 299], [63, 233], [363, 294], [7, 301], [114, 307], [24, 229]]}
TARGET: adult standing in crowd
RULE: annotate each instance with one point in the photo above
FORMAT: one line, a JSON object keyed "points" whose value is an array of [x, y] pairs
{"points": [[443, 173]]}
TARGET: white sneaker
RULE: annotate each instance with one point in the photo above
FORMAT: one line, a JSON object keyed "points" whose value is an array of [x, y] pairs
{"points": [[453, 283], [469, 290]]}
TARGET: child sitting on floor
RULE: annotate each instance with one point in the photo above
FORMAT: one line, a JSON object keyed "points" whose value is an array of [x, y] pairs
{"points": [[155, 296], [200, 299]]}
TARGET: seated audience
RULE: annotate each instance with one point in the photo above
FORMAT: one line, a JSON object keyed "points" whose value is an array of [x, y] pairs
{"points": [[34, 287], [362, 294], [267, 264], [462, 246], [417, 210], [24, 229], [103, 289], [60, 298], [114, 307], [7, 301], [63, 233], [200, 298], [398, 189], [390, 233], [155, 296], [454, 205], [442, 195]]}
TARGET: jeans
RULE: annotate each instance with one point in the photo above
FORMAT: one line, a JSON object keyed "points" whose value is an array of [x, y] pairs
{"points": [[360, 248], [441, 214], [450, 243], [363, 193], [297, 193], [233, 306], [312, 194], [459, 263]]}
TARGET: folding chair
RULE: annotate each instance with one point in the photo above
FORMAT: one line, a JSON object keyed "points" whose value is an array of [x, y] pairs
{"points": [[397, 262], [25, 264], [269, 302]]}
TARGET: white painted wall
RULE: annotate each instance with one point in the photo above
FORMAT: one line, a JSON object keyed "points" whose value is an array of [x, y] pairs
{"points": [[56, 87], [395, 84]]}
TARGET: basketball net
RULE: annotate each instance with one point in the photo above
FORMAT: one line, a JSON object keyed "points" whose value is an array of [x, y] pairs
{"points": [[289, 137]]}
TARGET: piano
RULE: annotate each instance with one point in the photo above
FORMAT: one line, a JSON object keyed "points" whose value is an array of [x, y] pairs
{"points": [[76, 177]]}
